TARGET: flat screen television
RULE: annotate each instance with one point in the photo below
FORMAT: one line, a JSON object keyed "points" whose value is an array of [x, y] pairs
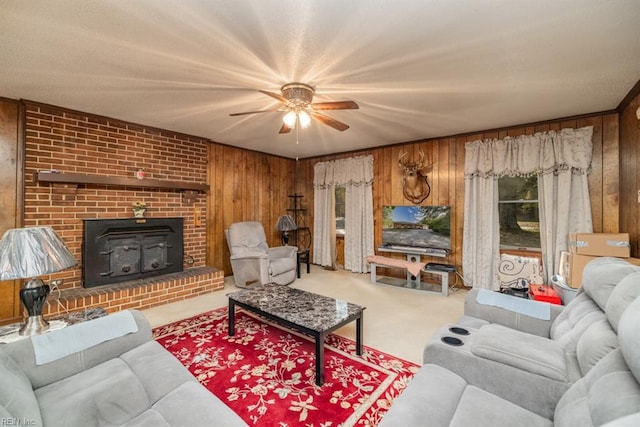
{"points": [[417, 226]]}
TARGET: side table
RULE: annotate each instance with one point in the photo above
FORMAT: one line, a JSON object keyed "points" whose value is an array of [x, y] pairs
{"points": [[9, 333], [303, 256]]}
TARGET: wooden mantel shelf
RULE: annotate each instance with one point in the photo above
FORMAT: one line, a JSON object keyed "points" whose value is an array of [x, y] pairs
{"points": [[78, 178]]}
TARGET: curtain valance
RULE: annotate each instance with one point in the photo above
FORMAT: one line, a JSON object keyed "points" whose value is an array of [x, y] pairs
{"points": [[353, 171], [541, 153]]}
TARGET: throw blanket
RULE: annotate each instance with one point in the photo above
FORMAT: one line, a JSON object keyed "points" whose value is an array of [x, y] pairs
{"points": [[413, 267], [537, 309], [57, 344]]}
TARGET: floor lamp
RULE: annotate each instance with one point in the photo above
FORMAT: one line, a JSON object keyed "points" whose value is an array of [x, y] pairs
{"points": [[26, 253]]}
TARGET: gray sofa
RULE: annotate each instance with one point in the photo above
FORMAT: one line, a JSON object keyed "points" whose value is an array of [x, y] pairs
{"points": [[519, 362], [103, 372]]}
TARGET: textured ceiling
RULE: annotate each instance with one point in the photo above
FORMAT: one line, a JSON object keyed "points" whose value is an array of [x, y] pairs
{"points": [[418, 69]]}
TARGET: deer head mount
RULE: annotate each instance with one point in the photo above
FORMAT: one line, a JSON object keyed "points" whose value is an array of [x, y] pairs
{"points": [[415, 185]]}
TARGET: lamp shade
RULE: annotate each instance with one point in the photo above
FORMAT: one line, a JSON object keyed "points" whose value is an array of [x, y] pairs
{"points": [[31, 252], [304, 118], [286, 223], [290, 119]]}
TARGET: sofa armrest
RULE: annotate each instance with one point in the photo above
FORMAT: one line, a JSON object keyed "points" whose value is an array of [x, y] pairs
{"points": [[511, 318], [283, 252], [248, 256], [22, 352], [527, 352]]}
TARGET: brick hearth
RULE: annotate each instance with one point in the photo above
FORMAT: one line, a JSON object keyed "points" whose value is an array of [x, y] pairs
{"points": [[137, 294]]}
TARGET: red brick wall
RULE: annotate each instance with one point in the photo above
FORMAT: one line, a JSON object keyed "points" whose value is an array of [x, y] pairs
{"points": [[70, 141]]}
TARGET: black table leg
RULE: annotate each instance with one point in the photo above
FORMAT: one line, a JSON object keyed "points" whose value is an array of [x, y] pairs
{"points": [[320, 359], [232, 318], [359, 335]]}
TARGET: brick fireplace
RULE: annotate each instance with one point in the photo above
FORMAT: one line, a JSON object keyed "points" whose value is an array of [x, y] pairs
{"points": [[81, 167]]}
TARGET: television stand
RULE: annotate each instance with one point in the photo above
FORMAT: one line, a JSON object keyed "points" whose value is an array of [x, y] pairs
{"points": [[411, 281]]}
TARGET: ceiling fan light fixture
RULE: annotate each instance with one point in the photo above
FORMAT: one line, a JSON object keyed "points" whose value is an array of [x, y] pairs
{"points": [[290, 119], [304, 118]]}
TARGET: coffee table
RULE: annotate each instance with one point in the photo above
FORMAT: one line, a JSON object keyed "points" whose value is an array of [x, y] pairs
{"points": [[312, 314]]}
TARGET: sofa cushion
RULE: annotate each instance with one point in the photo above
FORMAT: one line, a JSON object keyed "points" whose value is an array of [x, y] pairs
{"points": [[622, 296], [193, 405], [17, 400], [147, 360], [597, 341], [188, 405], [577, 316], [611, 389], [629, 336], [608, 391], [602, 275], [40, 375], [107, 394], [438, 397]]}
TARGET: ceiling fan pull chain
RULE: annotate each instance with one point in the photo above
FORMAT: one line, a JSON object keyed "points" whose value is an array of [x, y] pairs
{"points": [[297, 141]]}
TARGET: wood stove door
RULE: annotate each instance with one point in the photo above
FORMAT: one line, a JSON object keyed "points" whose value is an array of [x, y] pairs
{"points": [[154, 253], [124, 258]]}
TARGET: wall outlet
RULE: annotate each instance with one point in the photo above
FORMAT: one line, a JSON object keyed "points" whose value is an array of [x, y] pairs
{"points": [[638, 196], [56, 283]]}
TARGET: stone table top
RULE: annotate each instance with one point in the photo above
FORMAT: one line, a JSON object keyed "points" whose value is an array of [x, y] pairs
{"points": [[312, 311]]}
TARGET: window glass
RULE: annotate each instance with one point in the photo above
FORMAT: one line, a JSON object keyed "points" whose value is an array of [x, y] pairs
{"points": [[518, 212], [340, 209]]}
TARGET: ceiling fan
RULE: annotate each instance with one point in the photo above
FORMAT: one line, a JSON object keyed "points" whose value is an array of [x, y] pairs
{"points": [[296, 101]]}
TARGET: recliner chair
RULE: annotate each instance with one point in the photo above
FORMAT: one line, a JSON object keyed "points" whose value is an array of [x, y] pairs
{"points": [[252, 260]]}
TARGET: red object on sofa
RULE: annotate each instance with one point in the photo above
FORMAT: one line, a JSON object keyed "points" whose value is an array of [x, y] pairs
{"points": [[544, 293]]}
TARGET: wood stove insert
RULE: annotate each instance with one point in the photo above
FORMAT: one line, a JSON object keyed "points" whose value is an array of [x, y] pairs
{"points": [[118, 250]]}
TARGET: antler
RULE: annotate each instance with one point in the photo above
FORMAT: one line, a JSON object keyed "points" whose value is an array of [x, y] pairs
{"points": [[411, 166], [402, 164]]}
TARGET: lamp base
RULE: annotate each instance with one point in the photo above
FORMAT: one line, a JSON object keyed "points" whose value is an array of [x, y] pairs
{"points": [[35, 325], [33, 296]]}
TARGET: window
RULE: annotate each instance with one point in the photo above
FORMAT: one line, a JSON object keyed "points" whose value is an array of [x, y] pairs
{"points": [[340, 209], [518, 212]]}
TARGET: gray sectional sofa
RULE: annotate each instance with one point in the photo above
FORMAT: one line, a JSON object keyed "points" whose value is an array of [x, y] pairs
{"points": [[513, 362], [104, 372]]}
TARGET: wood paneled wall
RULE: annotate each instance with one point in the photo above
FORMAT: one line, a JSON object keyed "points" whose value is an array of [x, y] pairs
{"points": [[447, 176], [630, 174], [245, 186], [11, 194]]}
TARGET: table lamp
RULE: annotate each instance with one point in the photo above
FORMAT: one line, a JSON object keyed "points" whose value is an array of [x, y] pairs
{"points": [[26, 253], [285, 224]]}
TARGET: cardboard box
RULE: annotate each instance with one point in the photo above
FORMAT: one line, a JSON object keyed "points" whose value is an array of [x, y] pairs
{"points": [[572, 266], [600, 244]]}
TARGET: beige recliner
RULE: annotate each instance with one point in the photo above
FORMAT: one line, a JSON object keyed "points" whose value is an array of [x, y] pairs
{"points": [[254, 262]]}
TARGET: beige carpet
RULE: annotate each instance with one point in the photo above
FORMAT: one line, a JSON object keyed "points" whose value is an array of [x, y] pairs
{"points": [[396, 320]]}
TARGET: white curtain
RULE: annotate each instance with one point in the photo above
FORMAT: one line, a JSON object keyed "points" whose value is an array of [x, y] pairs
{"points": [[561, 160], [324, 221], [356, 175]]}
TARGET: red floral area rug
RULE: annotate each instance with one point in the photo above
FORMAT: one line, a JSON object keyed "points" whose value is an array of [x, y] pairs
{"points": [[266, 373]]}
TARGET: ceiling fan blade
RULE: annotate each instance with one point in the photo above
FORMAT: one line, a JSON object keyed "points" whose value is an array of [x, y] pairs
{"points": [[330, 122], [254, 112], [337, 105], [275, 95], [285, 129]]}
